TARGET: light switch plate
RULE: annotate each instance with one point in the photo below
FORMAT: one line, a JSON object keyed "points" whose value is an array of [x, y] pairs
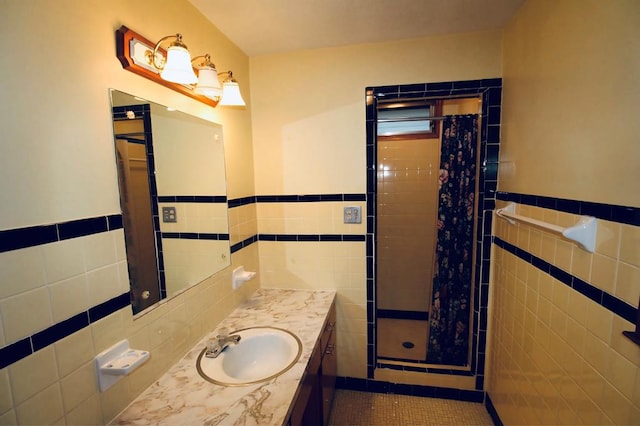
{"points": [[353, 214]]}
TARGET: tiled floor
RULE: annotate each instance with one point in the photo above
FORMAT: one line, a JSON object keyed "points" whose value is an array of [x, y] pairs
{"points": [[364, 408]]}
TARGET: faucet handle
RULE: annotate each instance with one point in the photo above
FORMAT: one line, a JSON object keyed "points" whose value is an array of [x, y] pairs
{"points": [[212, 343], [213, 347]]}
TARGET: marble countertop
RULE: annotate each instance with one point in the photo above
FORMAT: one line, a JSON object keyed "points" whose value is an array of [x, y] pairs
{"points": [[182, 397]]}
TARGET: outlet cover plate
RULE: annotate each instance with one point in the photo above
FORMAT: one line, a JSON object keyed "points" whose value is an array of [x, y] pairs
{"points": [[353, 214]]}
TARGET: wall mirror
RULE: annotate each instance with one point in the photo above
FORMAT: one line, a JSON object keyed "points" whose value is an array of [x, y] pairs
{"points": [[172, 182]]}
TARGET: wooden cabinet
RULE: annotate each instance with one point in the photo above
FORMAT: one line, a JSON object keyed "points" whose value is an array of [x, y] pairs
{"points": [[307, 404], [329, 366], [315, 395]]}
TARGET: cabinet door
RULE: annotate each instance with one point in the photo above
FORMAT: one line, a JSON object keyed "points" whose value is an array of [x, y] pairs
{"points": [[307, 406], [328, 377]]}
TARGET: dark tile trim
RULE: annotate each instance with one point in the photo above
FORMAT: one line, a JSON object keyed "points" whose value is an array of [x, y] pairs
{"points": [[60, 330], [416, 369], [309, 198], [490, 90], [245, 243], [243, 201], [610, 212], [14, 352], [492, 411], [406, 315], [312, 237], [604, 299], [14, 239], [212, 199], [195, 236], [377, 386], [237, 202]]}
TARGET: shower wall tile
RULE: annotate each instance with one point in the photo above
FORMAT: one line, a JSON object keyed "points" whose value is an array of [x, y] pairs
{"points": [[406, 215]]}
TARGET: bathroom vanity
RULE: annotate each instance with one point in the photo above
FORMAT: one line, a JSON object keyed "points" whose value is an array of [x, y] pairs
{"points": [[300, 395]]}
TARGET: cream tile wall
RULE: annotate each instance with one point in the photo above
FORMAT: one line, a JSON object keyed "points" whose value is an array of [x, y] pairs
{"points": [[313, 141], [243, 222], [326, 265], [334, 265], [60, 380], [91, 273], [54, 171], [558, 357]]}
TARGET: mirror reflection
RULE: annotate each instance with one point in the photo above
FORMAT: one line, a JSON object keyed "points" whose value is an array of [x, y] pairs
{"points": [[171, 177]]}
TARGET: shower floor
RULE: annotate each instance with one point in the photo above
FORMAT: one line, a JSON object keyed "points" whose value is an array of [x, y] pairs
{"points": [[401, 339]]}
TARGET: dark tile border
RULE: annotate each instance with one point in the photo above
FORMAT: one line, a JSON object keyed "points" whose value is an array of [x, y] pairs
{"points": [[209, 199], [491, 409], [309, 198], [604, 299], [292, 198], [377, 386], [195, 236], [14, 239], [245, 243], [610, 212], [416, 369], [406, 315], [14, 352], [490, 90]]}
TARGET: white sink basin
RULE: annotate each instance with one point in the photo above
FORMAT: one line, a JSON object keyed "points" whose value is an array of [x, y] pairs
{"points": [[262, 354]]}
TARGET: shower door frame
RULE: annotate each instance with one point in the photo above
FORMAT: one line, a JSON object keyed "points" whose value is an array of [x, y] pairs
{"points": [[490, 91]]}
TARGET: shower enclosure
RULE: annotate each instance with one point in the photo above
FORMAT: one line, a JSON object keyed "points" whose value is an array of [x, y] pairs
{"points": [[426, 185]]}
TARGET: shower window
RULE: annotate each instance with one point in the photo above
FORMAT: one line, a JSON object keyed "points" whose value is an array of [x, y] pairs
{"points": [[408, 120]]}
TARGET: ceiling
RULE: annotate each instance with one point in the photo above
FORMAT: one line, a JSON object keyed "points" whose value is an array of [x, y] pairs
{"points": [[261, 27]]}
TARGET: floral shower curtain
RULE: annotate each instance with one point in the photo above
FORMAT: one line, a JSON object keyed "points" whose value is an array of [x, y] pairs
{"points": [[450, 304]]}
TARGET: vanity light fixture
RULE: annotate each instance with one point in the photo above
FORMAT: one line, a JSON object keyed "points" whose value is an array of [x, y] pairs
{"points": [[231, 95], [174, 68], [208, 83]]}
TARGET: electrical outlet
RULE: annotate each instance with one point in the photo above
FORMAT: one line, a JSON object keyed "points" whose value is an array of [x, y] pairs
{"points": [[353, 214], [169, 215]]}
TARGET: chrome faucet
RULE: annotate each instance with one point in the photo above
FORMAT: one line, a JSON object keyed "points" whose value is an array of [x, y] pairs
{"points": [[219, 344]]}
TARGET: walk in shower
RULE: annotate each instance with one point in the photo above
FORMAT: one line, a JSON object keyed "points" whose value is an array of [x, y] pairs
{"points": [[426, 184], [429, 162]]}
